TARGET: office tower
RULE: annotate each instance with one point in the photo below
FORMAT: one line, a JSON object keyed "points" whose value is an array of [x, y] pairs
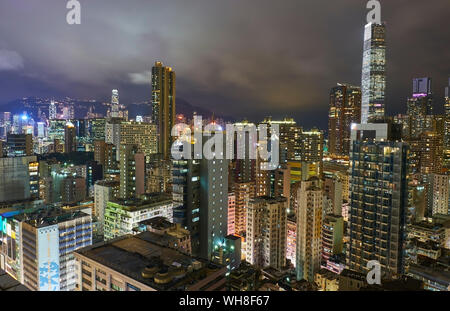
{"points": [[133, 263], [447, 126], [373, 81], [266, 232], [68, 113], [345, 109], [115, 104], [15, 178], [420, 105], [73, 189], [44, 242], [134, 210], [96, 128], [106, 155], [70, 138], [52, 111], [379, 202], [438, 195], [19, 145], [333, 193], [104, 191], [163, 106], [310, 216], [141, 134], [332, 236], [132, 171]]}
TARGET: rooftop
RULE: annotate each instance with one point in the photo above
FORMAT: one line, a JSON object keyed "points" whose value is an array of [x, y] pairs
{"points": [[131, 255]]}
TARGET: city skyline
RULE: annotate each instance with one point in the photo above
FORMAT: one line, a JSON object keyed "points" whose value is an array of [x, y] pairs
{"points": [[215, 70]]}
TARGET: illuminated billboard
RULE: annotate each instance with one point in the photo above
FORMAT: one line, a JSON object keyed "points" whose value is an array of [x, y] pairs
{"points": [[48, 258]]}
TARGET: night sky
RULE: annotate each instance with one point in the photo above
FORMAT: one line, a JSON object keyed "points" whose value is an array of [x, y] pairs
{"points": [[245, 58]]}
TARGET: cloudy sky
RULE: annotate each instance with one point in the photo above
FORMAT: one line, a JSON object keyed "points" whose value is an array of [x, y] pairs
{"points": [[246, 58]]}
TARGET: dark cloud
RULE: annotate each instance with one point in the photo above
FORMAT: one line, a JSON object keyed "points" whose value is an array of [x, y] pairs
{"points": [[248, 58]]}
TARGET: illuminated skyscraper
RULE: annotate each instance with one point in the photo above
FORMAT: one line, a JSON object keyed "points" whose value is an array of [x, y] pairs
{"points": [[420, 106], [266, 232], [163, 105], [52, 112], [115, 104], [345, 109], [70, 138], [373, 82], [447, 126]]}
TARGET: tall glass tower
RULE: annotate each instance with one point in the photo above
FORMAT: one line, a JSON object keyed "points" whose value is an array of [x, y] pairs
{"points": [[373, 82]]}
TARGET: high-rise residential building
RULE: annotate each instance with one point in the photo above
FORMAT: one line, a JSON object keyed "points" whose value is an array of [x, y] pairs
{"points": [[42, 244], [429, 152], [379, 201], [104, 191], [438, 195], [132, 171], [19, 145], [243, 193], [419, 106], [124, 215], [310, 216], [163, 106], [447, 126], [288, 137], [373, 81], [186, 198], [345, 109], [231, 213], [332, 236], [52, 111], [291, 240], [114, 104], [141, 134], [105, 155], [70, 138], [310, 146], [332, 187], [15, 178], [119, 132], [96, 128], [266, 232]]}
